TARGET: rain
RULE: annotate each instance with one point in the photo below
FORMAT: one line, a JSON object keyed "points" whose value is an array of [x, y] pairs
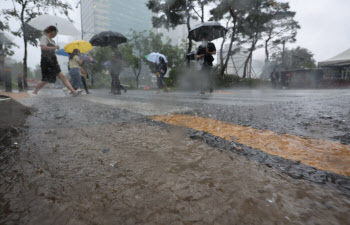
{"points": [[174, 112]]}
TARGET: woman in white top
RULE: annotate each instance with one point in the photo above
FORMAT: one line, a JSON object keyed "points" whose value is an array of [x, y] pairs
{"points": [[50, 68]]}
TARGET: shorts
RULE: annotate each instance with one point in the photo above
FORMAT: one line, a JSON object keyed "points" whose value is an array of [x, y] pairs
{"points": [[49, 70]]}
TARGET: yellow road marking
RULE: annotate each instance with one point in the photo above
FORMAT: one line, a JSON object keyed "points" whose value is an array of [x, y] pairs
{"points": [[15, 96], [321, 154]]}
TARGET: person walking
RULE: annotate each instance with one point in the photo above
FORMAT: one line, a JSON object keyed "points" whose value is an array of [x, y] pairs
{"points": [[205, 59], [161, 69], [74, 70], [116, 69], [84, 77], [50, 68]]}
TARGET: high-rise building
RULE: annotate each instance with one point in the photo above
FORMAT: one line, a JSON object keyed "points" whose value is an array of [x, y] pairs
{"points": [[114, 15]]}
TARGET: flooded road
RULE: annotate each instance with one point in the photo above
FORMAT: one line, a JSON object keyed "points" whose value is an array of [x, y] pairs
{"points": [[86, 163]]}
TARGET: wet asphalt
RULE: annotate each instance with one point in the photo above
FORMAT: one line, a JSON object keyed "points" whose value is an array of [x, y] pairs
{"points": [[68, 141], [321, 114]]}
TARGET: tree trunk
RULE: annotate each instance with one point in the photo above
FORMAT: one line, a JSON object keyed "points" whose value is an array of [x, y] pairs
{"points": [[25, 66], [223, 68], [189, 49], [222, 48], [249, 58], [222, 53], [267, 53], [202, 8], [246, 65], [283, 53]]}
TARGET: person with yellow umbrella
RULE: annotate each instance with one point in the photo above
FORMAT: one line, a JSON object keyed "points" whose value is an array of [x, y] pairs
{"points": [[74, 49]]}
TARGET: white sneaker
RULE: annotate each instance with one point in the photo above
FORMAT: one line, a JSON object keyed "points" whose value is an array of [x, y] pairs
{"points": [[77, 92]]}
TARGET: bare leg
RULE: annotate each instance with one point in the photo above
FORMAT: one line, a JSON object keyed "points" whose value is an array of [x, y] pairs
{"points": [[39, 86], [66, 82]]}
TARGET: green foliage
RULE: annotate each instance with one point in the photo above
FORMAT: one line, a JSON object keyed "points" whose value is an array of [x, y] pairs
{"points": [[140, 44], [169, 82], [172, 13], [24, 11], [134, 54], [252, 19], [8, 49], [102, 80], [101, 55], [297, 58], [175, 73]]}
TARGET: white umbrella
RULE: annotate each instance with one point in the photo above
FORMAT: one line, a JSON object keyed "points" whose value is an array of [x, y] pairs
{"points": [[154, 57], [5, 38], [64, 26]]}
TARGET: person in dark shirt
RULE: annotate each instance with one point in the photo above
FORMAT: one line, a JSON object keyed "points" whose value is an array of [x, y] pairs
{"points": [[116, 69], [161, 69], [205, 60]]}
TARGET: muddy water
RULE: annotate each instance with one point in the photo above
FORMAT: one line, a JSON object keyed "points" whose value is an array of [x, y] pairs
{"points": [[133, 173]]}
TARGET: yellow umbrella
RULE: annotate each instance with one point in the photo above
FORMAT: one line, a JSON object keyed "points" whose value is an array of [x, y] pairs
{"points": [[82, 46]]}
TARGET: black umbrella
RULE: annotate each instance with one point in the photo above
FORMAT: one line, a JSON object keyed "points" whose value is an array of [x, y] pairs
{"points": [[107, 38], [214, 30]]}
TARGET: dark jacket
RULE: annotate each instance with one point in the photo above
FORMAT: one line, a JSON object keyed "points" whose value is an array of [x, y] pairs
{"points": [[208, 58], [161, 67]]}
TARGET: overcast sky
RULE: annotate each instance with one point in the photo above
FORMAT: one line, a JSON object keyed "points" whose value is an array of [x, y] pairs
{"points": [[324, 29]]}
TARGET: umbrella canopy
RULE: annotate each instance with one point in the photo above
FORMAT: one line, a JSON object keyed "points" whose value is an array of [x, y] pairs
{"points": [[154, 57], [214, 30], [87, 58], [5, 38], [61, 52], [108, 38], [82, 46], [64, 26]]}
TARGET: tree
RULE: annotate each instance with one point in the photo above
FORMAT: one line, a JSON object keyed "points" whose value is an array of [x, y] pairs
{"points": [[281, 29], [24, 11], [248, 21], [6, 48], [237, 11], [221, 56], [258, 16], [177, 12], [134, 52], [297, 58], [141, 44]]}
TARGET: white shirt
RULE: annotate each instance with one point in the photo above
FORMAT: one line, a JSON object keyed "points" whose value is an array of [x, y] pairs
{"points": [[45, 40]]}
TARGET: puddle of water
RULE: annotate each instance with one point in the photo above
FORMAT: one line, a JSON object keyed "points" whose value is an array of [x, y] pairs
{"points": [[151, 176], [4, 98], [321, 154]]}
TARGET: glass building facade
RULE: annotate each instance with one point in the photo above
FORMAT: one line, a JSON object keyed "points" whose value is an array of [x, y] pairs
{"points": [[114, 15]]}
